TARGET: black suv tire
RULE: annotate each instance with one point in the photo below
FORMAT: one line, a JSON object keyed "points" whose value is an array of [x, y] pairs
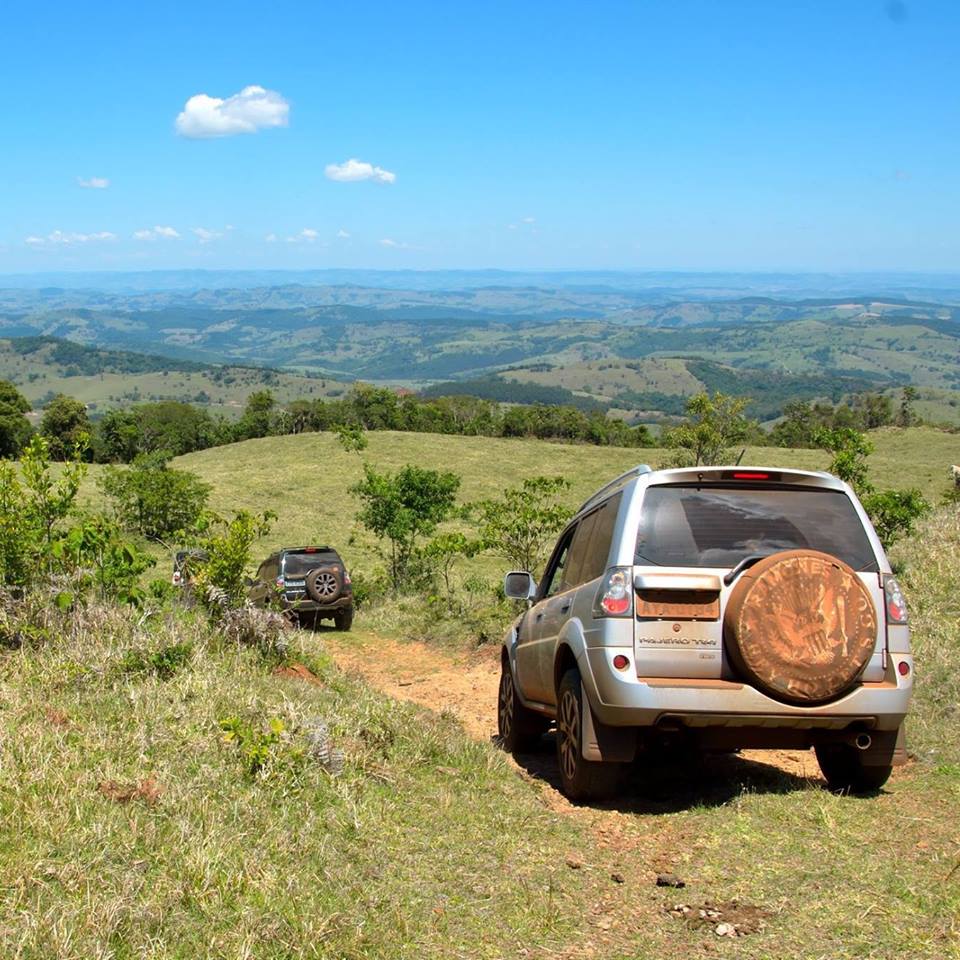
{"points": [[580, 779], [343, 619], [519, 729], [846, 770]]}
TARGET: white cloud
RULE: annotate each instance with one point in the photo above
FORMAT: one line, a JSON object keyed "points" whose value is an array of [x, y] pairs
{"points": [[58, 238], [354, 170], [271, 238], [153, 233], [248, 111], [394, 244], [94, 183], [306, 235], [529, 220], [343, 235]]}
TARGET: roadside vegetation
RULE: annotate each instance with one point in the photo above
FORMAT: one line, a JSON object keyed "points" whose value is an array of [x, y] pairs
{"points": [[184, 783]]}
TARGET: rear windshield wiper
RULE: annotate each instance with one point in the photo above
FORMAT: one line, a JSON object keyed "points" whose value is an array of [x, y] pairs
{"points": [[744, 564]]}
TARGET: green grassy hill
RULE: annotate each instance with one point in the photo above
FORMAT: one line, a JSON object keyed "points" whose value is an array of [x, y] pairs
{"points": [[305, 479], [102, 379], [135, 830]]}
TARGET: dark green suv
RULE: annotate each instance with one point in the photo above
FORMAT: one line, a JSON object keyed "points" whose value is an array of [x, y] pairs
{"points": [[311, 582]]}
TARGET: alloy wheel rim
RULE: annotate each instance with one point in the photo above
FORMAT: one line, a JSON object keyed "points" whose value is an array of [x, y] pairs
{"points": [[506, 706], [568, 728]]}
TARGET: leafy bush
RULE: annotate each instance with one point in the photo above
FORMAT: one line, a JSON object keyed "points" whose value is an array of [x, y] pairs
{"points": [[522, 525], [895, 512], [403, 508], [713, 425], [153, 499], [227, 556]]}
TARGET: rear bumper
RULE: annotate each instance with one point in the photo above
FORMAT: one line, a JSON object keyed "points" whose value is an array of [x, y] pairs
{"points": [[307, 605], [621, 699]]}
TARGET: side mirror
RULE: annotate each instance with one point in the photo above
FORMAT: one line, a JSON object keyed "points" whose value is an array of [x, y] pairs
{"points": [[519, 585]]}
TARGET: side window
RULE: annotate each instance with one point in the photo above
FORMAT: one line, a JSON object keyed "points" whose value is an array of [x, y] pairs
{"points": [[595, 562], [554, 575], [579, 549]]}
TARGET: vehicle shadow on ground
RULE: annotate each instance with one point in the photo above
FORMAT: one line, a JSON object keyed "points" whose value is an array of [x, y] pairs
{"points": [[661, 784]]}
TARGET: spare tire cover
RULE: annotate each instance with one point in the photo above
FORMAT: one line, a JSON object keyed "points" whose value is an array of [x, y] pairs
{"points": [[801, 626]]}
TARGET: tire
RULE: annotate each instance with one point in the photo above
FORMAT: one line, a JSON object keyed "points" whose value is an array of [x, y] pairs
{"points": [[324, 584], [343, 619], [519, 729], [800, 626], [849, 770], [580, 779]]}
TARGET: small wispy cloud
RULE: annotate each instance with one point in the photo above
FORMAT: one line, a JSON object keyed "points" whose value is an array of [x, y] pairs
{"points": [[393, 244], [253, 108], [306, 235], [343, 235], [522, 222], [156, 233], [59, 238], [271, 238], [93, 183], [354, 170], [208, 236]]}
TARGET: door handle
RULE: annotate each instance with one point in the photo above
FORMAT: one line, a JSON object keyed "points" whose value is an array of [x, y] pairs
{"points": [[565, 608]]}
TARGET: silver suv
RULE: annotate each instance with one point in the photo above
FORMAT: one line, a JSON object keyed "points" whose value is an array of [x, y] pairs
{"points": [[728, 606]]}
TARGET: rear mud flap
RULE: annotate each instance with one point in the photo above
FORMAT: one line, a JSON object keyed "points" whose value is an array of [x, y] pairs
{"points": [[600, 742]]}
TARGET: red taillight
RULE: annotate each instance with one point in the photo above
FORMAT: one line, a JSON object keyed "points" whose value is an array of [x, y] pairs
{"points": [[615, 596], [621, 662], [279, 582], [751, 476], [903, 668], [896, 603], [346, 578]]}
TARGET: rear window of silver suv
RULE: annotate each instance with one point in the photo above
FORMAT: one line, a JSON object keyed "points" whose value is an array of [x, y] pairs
{"points": [[715, 526]]}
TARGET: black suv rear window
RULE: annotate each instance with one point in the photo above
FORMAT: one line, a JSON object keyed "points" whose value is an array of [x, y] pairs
{"points": [[300, 564], [720, 526]]}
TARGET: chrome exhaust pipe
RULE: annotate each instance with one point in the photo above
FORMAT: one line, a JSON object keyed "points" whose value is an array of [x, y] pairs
{"points": [[862, 741]]}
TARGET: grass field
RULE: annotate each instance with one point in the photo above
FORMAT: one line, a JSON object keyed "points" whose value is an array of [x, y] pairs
{"points": [[134, 831], [305, 479]]}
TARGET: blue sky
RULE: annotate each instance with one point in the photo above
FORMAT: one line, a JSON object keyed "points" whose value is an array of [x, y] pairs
{"points": [[691, 134]]}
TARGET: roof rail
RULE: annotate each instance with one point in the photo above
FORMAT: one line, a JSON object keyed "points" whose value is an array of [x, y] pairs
{"points": [[638, 470]]}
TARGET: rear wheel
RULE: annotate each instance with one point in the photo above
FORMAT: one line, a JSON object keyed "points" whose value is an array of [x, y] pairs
{"points": [[343, 619], [580, 779], [850, 770], [519, 728]]}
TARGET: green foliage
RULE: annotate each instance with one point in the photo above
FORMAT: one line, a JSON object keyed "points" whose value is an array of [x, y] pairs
{"points": [[15, 429], [66, 426], [443, 551], [522, 525], [257, 747], [906, 416], [895, 512], [165, 662], [403, 508], [352, 438], [153, 499], [713, 425], [258, 415], [101, 561], [227, 546], [850, 450], [170, 426]]}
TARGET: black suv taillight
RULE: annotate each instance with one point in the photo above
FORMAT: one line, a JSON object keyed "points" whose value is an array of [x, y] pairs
{"points": [[615, 596], [894, 600]]}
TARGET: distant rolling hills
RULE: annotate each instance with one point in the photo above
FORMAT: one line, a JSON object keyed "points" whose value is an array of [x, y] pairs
{"points": [[595, 346]]}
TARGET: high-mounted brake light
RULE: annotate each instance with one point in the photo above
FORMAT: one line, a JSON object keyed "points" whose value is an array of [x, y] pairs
{"points": [[615, 596], [895, 602], [751, 476]]}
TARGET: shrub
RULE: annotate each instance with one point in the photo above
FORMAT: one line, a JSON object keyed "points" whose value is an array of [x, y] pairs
{"points": [[228, 555]]}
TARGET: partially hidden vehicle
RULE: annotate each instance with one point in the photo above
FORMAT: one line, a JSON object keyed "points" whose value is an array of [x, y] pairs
{"points": [[184, 563], [726, 607], [311, 583]]}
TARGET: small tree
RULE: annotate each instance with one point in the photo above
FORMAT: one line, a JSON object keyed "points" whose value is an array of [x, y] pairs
{"points": [[906, 417], [352, 438], [153, 499], [226, 545], [850, 450], [713, 425], [66, 425], [15, 429], [403, 508], [522, 524]]}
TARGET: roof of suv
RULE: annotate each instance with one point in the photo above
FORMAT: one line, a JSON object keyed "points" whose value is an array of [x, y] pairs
{"points": [[647, 476]]}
